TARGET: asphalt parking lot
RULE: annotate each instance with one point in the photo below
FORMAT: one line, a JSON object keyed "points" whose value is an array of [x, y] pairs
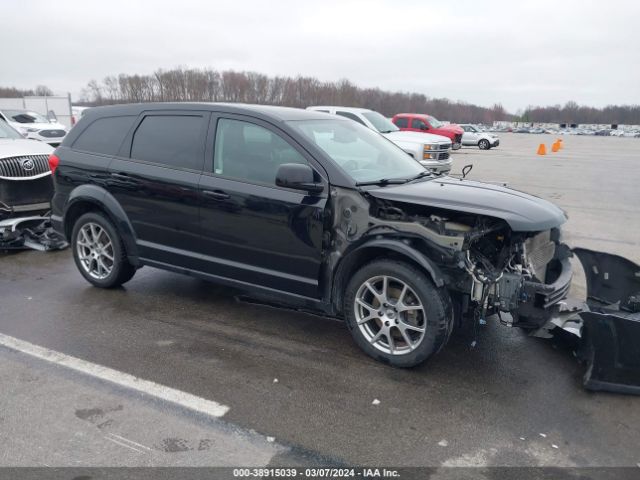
{"points": [[297, 388]]}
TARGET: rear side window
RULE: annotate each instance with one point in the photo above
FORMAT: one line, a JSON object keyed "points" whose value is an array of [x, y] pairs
{"points": [[401, 122], [104, 136], [171, 140], [351, 116]]}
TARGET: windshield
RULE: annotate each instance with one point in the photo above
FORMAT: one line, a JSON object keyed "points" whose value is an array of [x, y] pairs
{"points": [[380, 123], [364, 154], [434, 122], [7, 131], [24, 116]]}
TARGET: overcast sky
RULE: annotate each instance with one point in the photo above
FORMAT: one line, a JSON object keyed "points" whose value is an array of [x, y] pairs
{"points": [[514, 52]]}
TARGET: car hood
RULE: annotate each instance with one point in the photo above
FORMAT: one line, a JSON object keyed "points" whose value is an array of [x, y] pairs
{"points": [[15, 148], [418, 137], [523, 212], [39, 126], [452, 127]]}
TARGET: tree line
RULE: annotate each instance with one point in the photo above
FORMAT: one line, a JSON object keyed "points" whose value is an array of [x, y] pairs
{"points": [[571, 112], [185, 85], [209, 85], [11, 92]]}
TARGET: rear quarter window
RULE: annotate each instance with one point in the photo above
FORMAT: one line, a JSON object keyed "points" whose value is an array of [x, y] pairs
{"points": [[170, 140], [104, 135], [401, 122]]}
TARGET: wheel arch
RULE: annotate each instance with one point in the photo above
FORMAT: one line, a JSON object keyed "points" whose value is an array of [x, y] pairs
{"points": [[379, 248], [91, 198]]}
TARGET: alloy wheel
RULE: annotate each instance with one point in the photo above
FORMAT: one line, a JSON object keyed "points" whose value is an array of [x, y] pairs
{"points": [[95, 250], [390, 315]]}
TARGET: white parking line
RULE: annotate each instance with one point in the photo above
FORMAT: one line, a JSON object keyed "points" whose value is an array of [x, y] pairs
{"points": [[178, 397]]}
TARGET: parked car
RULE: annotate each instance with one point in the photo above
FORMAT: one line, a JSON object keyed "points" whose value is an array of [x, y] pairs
{"points": [[432, 151], [76, 113], [306, 210], [416, 122], [34, 126], [472, 136], [26, 187]]}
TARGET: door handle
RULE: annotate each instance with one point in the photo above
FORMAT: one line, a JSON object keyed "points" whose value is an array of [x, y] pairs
{"points": [[215, 195], [121, 176]]}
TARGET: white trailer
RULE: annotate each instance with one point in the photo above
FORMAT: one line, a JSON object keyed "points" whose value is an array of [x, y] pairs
{"points": [[60, 105]]}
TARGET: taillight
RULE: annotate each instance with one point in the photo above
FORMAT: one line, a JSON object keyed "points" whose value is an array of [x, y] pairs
{"points": [[53, 162]]}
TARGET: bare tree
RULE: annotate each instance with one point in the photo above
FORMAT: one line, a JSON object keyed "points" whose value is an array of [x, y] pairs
{"points": [[43, 91]]}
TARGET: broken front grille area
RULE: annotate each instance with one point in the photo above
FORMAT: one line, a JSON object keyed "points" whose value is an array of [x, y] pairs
{"points": [[52, 133], [24, 166], [14, 193], [539, 250]]}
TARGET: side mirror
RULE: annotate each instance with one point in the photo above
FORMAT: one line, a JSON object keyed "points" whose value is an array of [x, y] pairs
{"points": [[424, 126], [298, 176]]}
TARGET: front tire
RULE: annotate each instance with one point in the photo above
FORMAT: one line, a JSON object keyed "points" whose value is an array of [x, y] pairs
{"points": [[396, 314], [484, 144], [99, 253]]}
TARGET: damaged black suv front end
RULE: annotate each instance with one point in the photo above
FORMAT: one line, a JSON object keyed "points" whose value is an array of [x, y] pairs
{"points": [[499, 250]]}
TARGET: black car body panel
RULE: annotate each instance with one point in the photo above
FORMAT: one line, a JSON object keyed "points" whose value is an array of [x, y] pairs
{"points": [[523, 212]]}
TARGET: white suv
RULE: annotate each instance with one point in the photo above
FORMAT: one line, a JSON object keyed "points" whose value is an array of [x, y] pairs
{"points": [[34, 126], [474, 136], [432, 151]]}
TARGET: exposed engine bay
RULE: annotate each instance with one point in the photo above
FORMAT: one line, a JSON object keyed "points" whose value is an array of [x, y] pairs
{"points": [[492, 268]]}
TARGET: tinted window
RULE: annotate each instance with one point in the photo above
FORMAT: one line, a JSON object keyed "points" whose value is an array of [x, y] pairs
{"points": [[417, 123], [350, 116], [171, 140], [380, 123], [249, 152], [401, 122], [105, 135]]}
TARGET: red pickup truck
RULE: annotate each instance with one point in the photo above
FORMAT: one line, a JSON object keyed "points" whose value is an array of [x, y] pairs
{"points": [[418, 122]]}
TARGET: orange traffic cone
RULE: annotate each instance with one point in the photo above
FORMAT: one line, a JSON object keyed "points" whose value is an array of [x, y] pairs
{"points": [[555, 147], [542, 150], [559, 142]]}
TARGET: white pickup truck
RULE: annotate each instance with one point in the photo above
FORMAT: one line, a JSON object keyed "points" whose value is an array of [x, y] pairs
{"points": [[432, 151]]}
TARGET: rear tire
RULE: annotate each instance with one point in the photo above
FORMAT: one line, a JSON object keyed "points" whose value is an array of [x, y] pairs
{"points": [[484, 144], [98, 251], [396, 314]]}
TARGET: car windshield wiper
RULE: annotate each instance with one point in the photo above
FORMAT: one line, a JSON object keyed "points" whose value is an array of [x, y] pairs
{"points": [[424, 173], [382, 182], [388, 131]]}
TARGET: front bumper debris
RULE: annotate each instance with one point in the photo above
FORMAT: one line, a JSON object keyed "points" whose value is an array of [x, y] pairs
{"points": [[29, 232], [607, 325], [611, 325]]}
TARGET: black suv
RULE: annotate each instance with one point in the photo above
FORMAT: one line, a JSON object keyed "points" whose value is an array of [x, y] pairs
{"points": [[309, 210]]}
